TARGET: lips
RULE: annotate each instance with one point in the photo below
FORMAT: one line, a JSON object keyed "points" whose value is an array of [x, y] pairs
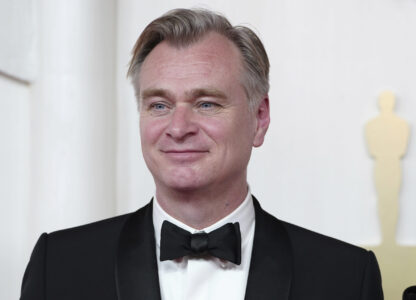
{"points": [[184, 154], [184, 151]]}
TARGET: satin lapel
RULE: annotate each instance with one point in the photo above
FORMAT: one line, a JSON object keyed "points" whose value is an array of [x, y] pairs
{"points": [[136, 266], [271, 266]]}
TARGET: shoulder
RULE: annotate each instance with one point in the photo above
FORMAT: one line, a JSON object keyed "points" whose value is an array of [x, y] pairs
{"points": [[311, 248], [71, 255], [312, 241], [320, 260], [307, 242], [315, 251], [106, 226], [84, 243], [322, 265], [103, 234]]}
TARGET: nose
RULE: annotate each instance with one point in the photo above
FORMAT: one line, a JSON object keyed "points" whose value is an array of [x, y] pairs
{"points": [[182, 123]]}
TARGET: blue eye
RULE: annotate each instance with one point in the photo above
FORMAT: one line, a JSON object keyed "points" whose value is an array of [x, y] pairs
{"points": [[158, 106], [206, 105]]}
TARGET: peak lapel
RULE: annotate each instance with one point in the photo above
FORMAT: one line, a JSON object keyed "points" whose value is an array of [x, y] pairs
{"points": [[136, 266], [271, 264]]}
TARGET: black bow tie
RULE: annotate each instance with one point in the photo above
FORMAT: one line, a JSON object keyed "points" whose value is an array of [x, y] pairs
{"points": [[224, 242]]}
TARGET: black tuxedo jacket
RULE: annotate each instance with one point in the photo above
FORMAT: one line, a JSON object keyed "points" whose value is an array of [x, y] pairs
{"points": [[116, 259]]}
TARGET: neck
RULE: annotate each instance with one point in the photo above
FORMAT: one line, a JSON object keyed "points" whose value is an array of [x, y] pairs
{"points": [[203, 207]]}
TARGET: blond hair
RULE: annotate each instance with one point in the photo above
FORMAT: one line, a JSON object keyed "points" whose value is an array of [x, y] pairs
{"points": [[182, 27]]}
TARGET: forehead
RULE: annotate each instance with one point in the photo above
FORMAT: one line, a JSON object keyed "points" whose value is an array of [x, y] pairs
{"points": [[212, 57]]}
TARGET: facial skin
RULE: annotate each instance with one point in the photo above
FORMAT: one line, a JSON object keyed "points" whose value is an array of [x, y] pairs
{"points": [[196, 128]]}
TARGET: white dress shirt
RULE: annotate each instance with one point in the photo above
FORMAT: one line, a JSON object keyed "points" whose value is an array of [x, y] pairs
{"points": [[209, 278]]}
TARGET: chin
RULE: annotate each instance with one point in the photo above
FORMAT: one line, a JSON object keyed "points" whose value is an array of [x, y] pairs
{"points": [[184, 184], [184, 181]]}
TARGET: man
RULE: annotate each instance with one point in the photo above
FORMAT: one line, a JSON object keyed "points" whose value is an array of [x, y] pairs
{"points": [[202, 87]]}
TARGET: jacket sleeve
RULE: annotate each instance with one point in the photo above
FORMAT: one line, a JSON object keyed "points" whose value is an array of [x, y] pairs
{"points": [[33, 285], [371, 286]]}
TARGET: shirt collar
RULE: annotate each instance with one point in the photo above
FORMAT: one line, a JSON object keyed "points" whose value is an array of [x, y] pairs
{"points": [[244, 214]]}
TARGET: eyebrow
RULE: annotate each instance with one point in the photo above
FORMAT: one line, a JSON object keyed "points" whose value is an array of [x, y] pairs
{"points": [[155, 93], [207, 92], [192, 94]]}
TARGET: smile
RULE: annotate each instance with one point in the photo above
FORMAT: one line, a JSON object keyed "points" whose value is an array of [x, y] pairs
{"points": [[184, 155]]}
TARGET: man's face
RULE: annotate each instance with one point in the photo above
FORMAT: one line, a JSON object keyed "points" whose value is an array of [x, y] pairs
{"points": [[196, 128]]}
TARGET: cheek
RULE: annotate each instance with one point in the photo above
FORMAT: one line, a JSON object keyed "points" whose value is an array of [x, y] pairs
{"points": [[217, 129], [150, 131], [231, 133]]}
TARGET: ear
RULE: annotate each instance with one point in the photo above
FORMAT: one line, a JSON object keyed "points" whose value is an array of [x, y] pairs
{"points": [[262, 120]]}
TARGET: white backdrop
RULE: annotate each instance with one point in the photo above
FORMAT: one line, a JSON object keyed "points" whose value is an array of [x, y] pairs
{"points": [[70, 142]]}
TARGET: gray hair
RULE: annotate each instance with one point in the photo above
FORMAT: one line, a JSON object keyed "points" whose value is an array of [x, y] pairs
{"points": [[182, 27]]}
